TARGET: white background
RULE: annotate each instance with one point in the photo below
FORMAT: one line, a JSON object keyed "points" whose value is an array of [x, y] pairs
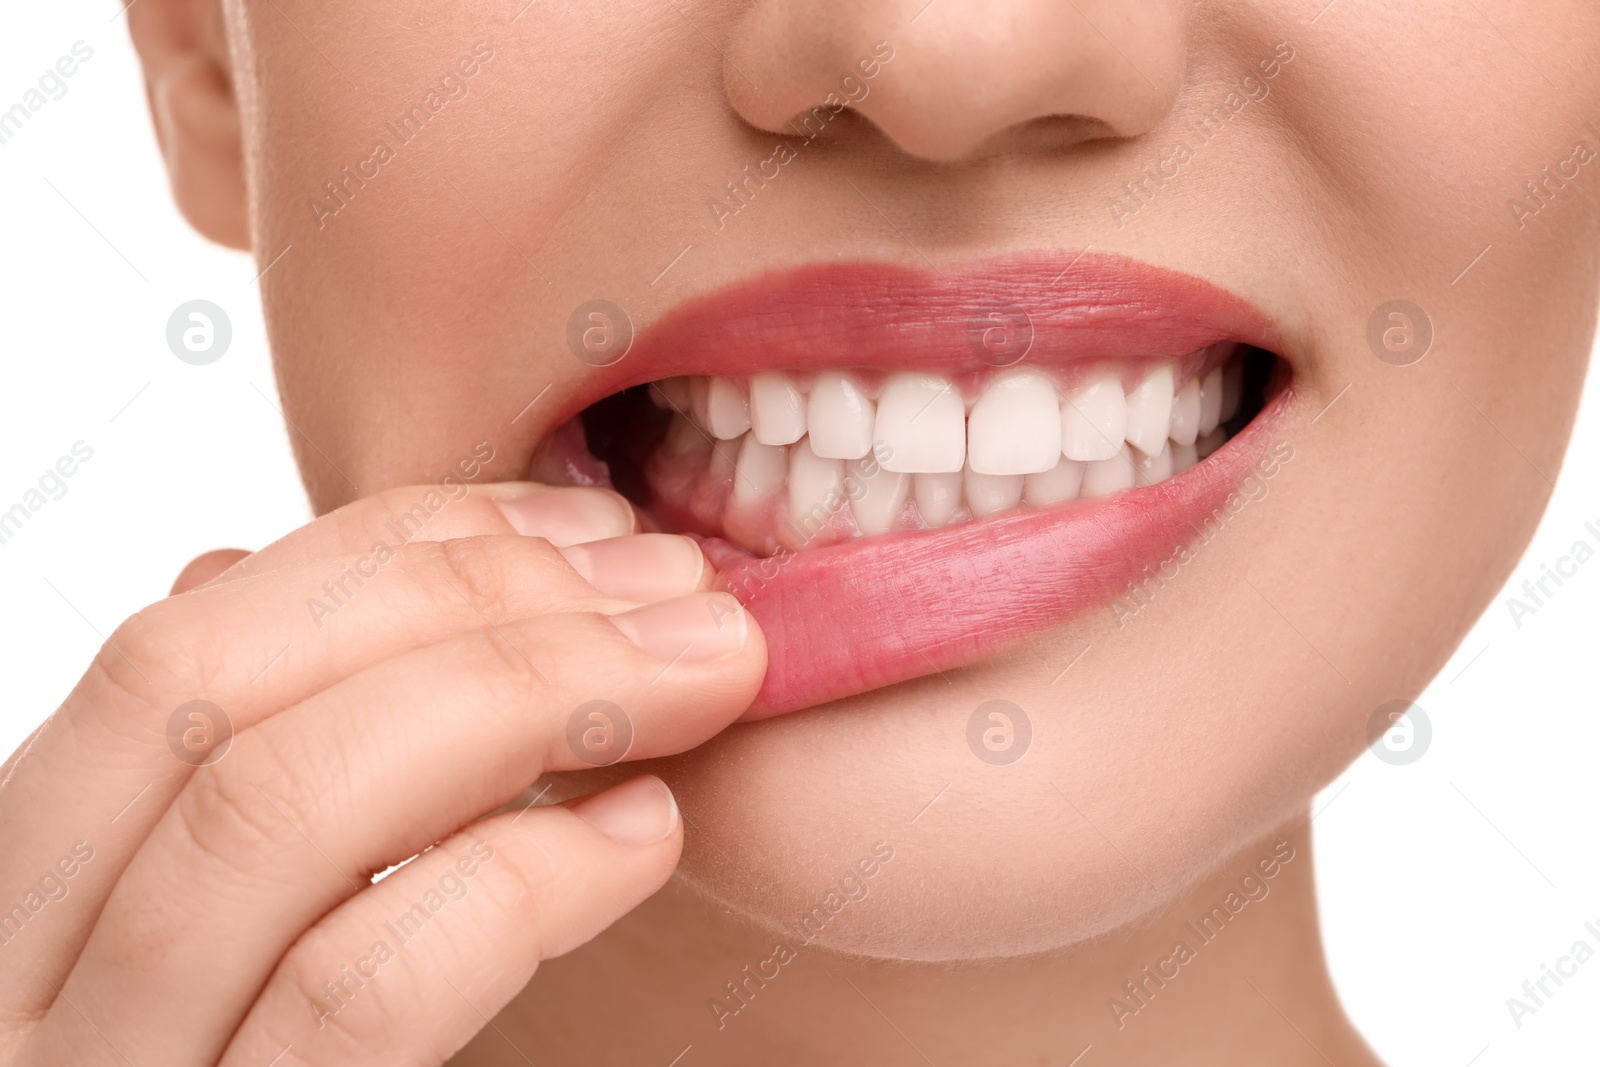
{"points": [[1446, 883]]}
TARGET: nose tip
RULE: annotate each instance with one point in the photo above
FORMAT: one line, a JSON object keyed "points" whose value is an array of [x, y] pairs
{"points": [[942, 79]]}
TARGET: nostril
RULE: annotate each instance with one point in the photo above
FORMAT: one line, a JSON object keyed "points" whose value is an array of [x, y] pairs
{"points": [[952, 80]]}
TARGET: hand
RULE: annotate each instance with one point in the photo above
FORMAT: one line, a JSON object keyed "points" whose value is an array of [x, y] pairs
{"points": [[178, 893]]}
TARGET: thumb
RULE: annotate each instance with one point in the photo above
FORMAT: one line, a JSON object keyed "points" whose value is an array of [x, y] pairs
{"points": [[205, 567]]}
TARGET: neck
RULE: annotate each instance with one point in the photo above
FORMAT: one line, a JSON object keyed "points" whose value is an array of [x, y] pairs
{"points": [[1230, 973]]}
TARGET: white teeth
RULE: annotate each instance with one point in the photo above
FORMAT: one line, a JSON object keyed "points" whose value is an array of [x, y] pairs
{"points": [[1094, 420], [876, 508], [1057, 485], [988, 494], [760, 470], [1186, 414], [777, 410], [922, 421], [1020, 442], [1211, 401], [1107, 476], [1232, 388], [1148, 470], [938, 496], [1150, 410], [811, 481], [839, 417], [1184, 457], [727, 414], [1015, 427]]}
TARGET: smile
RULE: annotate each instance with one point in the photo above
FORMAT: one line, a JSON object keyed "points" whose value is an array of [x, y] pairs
{"points": [[899, 471]]}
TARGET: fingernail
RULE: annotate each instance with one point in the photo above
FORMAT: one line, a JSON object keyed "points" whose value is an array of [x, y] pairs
{"points": [[643, 567], [639, 812], [696, 628], [568, 515]]}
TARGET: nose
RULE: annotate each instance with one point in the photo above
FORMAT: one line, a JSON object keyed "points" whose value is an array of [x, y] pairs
{"points": [[950, 78]]}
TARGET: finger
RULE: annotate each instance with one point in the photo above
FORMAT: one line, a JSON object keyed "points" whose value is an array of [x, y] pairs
{"points": [[203, 568], [367, 773], [101, 772], [391, 979], [562, 515]]}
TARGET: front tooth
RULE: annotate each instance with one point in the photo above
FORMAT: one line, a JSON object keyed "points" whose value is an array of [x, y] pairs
{"points": [[1057, 485], [1107, 476], [777, 410], [1211, 401], [839, 417], [1186, 414], [1150, 411], [814, 486], [938, 496], [759, 471], [727, 411], [1232, 388], [1184, 457], [1015, 427], [882, 498], [922, 421], [1148, 469], [991, 493], [1094, 420]]}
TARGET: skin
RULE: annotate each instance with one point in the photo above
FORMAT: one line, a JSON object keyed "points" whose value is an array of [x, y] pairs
{"points": [[429, 312]]}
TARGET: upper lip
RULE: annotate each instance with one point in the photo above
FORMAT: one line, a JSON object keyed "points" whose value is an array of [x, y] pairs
{"points": [[1079, 306]]}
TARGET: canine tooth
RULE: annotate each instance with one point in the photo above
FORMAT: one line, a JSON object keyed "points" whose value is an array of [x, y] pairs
{"points": [[777, 410], [882, 498], [727, 411], [1232, 388], [1210, 442], [922, 420], [1107, 476], [988, 494], [1015, 427], [1186, 414], [1211, 401], [684, 438], [812, 480], [938, 496], [1184, 457], [1150, 469], [1094, 420], [839, 417], [1150, 410], [1054, 486], [671, 394], [759, 471]]}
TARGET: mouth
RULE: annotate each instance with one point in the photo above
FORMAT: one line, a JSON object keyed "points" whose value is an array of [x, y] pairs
{"points": [[898, 471]]}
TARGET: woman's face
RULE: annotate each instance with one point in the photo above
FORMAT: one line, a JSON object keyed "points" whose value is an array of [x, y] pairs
{"points": [[871, 187]]}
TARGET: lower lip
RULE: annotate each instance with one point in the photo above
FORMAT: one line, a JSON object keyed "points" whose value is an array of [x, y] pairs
{"points": [[859, 616]]}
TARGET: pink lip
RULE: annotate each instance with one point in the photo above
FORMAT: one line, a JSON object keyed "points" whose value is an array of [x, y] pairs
{"points": [[853, 617]]}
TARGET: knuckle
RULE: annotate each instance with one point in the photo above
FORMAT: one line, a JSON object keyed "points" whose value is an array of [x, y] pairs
{"points": [[151, 660], [470, 569], [224, 816]]}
